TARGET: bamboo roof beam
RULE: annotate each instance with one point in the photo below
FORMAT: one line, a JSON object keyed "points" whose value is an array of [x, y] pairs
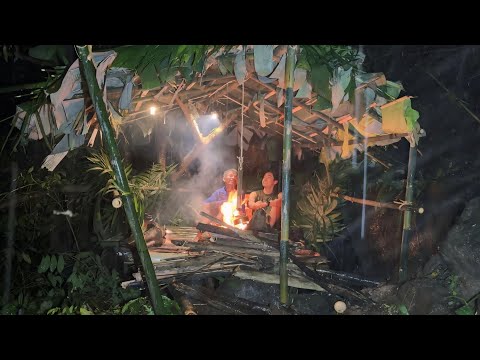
{"points": [[189, 118], [142, 95], [324, 117]]}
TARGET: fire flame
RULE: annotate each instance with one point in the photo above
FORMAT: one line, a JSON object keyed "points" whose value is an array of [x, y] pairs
{"points": [[230, 212]]}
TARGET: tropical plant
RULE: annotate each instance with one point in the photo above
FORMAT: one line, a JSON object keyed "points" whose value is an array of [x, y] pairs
{"points": [[158, 64], [78, 282], [468, 307], [147, 187], [317, 212]]}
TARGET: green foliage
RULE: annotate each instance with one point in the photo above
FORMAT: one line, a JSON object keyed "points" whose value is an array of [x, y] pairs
{"points": [[466, 308], [395, 309], [316, 214], [147, 187], [403, 310], [57, 54], [142, 306], [157, 64], [332, 56], [77, 285], [37, 98], [387, 187]]}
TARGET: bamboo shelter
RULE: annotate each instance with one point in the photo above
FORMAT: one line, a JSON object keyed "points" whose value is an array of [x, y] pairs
{"points": [[314, 97]]}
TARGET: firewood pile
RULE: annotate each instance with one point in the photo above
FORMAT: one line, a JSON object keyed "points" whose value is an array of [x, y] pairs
{"points": [[209, 251]]}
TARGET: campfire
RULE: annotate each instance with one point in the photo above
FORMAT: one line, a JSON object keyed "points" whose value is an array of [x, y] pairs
{"points": [[231, 215]]}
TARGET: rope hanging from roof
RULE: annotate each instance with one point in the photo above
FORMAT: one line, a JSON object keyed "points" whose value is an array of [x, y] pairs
{"points": [[240, 158]]}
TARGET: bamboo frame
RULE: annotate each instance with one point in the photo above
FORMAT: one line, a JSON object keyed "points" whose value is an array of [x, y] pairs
{"points": [[89, 73]]}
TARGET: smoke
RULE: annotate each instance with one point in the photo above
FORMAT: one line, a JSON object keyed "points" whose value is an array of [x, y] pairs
{"points": [[203, 177]]}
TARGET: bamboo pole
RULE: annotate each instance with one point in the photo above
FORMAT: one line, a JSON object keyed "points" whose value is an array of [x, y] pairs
{"points": [[287, 150], [89, 73], [407, 217], [189, 117], [399, 207]]}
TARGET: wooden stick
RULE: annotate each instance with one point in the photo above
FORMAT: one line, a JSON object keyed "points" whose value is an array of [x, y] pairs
{"points": [[217, 230], [188, 291], [375, 139], [241, 233], [190, 119], [234, 306], [225, 249], [185, 304], [379, 204], [324, 117]]}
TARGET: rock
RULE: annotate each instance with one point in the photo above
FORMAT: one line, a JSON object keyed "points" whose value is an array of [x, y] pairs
{"points": [[312, 304], [425, 297], [264, 294], [436, 267], [382, 294], [461, 249]]}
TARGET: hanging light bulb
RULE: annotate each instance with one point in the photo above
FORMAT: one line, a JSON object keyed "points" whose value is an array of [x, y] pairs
{"points": [[153, 110], [214, 115]]}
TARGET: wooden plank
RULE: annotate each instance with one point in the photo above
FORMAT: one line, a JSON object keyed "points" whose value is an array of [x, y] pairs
{"points": [[266, 278]]}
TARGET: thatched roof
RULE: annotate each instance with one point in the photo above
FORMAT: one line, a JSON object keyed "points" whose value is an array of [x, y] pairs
{"points": [[228, 80]]}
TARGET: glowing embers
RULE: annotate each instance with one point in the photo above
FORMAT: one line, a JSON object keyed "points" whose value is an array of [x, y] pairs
{"points": [[231, 215]]}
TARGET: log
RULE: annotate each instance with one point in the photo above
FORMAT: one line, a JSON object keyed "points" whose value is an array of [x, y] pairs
{"points": [[242, 244], [243, 234], [193, 270], [339, 291], [234, 250], [170, 249], [351, 279], [232, 306], [217, 230], [183, 301], [352, 295], [186, 306], [196, 294], [188, 261]]}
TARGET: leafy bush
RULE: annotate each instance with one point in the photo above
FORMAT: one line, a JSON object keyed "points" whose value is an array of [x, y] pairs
{"points": [[316, 212]]}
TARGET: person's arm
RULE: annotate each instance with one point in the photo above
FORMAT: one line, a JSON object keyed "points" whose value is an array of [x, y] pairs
{"points": [[275, 213], [212, 198], [277, 202], [255, 205]]}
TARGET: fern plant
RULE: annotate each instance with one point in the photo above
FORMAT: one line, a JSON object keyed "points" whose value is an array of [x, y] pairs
{"points": [[146, 187], [317, 213]]}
